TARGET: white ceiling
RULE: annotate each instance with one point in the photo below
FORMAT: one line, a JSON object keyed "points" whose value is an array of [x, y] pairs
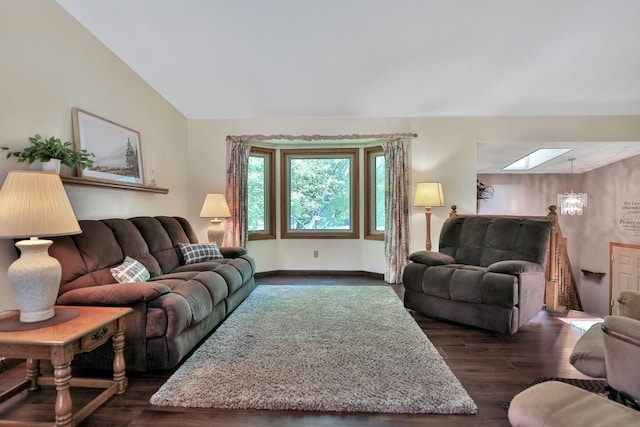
{"points": [[377, 58]]}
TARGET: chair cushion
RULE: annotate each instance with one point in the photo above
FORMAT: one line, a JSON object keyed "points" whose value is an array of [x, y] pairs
{"points": [[588, 353], [554, 403]]}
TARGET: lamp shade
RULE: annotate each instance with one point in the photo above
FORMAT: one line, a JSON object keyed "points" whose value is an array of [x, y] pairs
{"points": [[35, 204], [429, 194], [215, 206]]}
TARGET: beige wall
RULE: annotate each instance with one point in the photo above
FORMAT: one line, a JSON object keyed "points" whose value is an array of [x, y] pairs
{"points": [[50, 64]]}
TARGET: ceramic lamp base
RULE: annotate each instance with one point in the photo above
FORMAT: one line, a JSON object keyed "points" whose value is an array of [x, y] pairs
{"points": [[35, 279], [215, 233]]}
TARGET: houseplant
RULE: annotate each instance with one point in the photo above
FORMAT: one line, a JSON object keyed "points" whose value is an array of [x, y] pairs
{"points": [[45, 150], [483, 192]]}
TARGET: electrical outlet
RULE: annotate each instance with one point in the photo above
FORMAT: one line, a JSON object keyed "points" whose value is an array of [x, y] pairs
{"points": [[315, 254]]}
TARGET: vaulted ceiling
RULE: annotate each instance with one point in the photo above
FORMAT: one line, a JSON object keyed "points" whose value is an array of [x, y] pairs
{"points": [[377, 58]]}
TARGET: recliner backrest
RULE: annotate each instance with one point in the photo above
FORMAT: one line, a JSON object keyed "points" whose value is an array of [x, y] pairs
{"points": [[483, 240], [88, 257]]}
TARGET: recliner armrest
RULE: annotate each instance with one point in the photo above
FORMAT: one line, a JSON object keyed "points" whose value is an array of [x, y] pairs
{"points": [[114, 294], [623, 326], [232, 251], [431, 258], [515, 266]]}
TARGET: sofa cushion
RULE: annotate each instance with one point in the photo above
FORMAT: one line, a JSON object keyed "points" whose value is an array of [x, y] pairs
{"points": [[198, 252], [130, 271], [466, 285], [132, 243], [160, 243], [85, 263]]}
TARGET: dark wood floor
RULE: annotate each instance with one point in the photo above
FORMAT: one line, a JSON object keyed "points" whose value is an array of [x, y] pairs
{"points": [[491, 367]]}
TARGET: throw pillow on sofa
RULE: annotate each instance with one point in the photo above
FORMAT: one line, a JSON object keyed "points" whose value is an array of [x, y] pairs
{"points": [[199, 252], [130, 271]]}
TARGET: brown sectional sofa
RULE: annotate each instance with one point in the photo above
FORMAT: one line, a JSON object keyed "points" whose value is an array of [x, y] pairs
{"points": [[173, 310]]}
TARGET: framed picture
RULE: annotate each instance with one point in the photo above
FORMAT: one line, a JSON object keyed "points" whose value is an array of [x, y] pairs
{"points": [[117, 150]]}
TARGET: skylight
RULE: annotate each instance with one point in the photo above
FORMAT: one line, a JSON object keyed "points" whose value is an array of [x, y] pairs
{"points": [[536, 158]]}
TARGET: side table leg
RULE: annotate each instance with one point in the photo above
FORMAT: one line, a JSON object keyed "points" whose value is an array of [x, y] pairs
{"points": [[64, 407], [33, 372], [119, 366]]}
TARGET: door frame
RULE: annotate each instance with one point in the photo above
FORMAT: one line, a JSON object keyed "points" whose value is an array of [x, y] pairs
{"points": [[611, 246]]}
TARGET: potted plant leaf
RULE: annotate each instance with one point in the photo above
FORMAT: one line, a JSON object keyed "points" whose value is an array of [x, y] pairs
{"points": [[52, 150], [483, 192]]}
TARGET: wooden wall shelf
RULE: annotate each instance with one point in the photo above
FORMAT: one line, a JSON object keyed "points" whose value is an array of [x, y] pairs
{"points": [[590, 272], [74, 180]]}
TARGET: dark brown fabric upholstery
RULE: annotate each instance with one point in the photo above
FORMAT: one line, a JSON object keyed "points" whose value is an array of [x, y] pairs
{"points": [[174, 310], [489, 272]]}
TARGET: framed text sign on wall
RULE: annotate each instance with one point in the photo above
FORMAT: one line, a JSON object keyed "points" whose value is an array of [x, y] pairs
{"points": [[629, 218], [117, 149]]}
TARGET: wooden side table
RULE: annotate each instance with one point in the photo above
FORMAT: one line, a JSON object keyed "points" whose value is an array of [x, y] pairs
{"points": [[60, 343]]}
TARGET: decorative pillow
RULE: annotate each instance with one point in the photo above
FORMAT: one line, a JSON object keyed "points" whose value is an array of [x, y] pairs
{"points": [[130, 271], [199, 252]]}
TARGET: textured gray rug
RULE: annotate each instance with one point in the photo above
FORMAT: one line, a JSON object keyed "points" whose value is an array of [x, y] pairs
{"points": [[318, 348]]}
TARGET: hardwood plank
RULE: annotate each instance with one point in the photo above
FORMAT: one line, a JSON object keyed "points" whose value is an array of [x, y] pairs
{"points": [[492, 367]]}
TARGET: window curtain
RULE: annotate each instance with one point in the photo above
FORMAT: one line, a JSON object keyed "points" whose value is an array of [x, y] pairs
{"points": [[237, 170], [396, 238]]}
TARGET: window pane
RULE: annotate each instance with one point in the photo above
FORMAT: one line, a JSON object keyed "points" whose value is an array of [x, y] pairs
{"points": [[320, 194], [379, 194], [257, 181]]}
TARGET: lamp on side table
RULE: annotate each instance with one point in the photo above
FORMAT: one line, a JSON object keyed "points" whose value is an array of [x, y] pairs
{"points": [[215, 206], [33, 205]]}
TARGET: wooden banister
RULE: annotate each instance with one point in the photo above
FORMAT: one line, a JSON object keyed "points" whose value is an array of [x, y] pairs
{"points": [[561, 291]]}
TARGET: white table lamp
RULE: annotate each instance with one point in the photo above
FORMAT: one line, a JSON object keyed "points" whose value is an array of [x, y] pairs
{"points": [[35, 204], [429, 194], [215, 206]]}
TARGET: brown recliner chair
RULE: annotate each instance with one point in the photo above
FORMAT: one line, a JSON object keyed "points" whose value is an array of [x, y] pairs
{"points": [[554, 403]]}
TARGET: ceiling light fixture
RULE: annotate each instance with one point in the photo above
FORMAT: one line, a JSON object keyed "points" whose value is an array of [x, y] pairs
{"points": [[572, 203]]}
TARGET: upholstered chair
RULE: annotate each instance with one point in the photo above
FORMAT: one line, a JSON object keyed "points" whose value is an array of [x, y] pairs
{"points": [[588, 354], [554, 403]]}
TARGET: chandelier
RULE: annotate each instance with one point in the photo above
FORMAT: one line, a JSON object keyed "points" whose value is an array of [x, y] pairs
{"points": [[572, 203]]}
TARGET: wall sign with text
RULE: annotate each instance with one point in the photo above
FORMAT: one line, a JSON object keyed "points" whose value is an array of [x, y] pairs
{"points": [[629, 219]]}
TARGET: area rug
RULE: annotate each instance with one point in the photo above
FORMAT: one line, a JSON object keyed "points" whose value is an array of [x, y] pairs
{"points": [[593, 386], [318, 348]]}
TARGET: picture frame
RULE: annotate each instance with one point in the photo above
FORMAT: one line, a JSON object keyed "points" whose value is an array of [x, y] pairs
{"points": [[117, 148]]}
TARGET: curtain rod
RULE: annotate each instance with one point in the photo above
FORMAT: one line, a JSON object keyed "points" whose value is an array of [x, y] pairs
{"points": [[319, 137]]}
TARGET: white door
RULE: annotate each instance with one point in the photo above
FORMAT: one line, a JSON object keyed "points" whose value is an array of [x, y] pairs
{"points": [[625, 272]]}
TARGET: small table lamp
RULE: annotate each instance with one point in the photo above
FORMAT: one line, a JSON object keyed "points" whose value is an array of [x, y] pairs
{"points": [[429, 194], [215, 206], [35, 204]]}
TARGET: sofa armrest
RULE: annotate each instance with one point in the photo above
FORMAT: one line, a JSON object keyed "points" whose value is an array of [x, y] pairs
{"points": [[232, 251], [515, 266], [114, 294], [431, 258]]}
